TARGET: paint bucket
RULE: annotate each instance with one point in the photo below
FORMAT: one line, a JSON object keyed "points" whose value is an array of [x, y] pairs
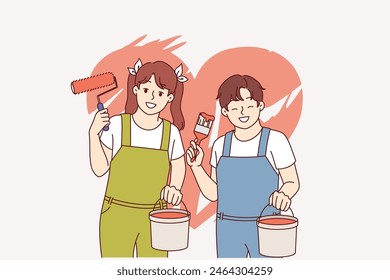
{"points": [[170, 228], [277, 235]]}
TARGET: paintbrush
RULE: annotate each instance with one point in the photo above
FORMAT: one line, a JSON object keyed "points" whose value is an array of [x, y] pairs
{"points": [[202, 129]]}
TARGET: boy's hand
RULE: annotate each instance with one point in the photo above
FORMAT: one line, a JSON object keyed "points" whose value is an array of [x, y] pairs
{"points": [[280, 201], [194, 155], [171, 195]]}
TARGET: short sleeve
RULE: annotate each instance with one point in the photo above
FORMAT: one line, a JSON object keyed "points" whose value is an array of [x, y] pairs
{"points": [[176, 149], [216, 152], [114, 131], [280, 149]]}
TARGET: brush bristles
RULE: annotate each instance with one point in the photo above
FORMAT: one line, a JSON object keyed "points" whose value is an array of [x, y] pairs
{"points": [[203, 122], [202, 129]]}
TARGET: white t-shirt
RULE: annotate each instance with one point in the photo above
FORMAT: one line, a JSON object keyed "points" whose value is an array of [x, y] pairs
{"points": [[142, 138], [279, 152]]}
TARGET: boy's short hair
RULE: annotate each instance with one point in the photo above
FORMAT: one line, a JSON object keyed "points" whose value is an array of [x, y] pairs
{"points": [[230, 89]]}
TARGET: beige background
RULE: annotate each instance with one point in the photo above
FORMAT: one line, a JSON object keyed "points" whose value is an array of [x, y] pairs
{"points": [[50, 200]]}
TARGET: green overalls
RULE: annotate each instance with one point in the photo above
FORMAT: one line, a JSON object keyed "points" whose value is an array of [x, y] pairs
{"points": [[136, 178]]}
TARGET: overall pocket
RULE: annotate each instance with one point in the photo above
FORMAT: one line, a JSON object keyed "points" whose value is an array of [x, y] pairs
{"points": [[105, 207]]}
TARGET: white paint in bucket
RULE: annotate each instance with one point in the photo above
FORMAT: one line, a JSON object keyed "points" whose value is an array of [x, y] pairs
{"points": [[169, 234], [277, 240]]}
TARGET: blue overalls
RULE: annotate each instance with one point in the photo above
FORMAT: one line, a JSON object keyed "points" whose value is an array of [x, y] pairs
{"points": [[244, 187]]}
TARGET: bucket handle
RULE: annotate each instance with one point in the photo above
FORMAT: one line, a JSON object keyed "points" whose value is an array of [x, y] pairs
{"points": [[273, 211], [160, 201]]}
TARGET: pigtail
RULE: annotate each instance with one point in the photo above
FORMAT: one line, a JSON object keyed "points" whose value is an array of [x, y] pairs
{"points": [[131, 102], [177, 114]]}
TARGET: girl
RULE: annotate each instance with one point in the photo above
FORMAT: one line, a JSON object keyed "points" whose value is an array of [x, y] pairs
{"points": [[141, 150]]}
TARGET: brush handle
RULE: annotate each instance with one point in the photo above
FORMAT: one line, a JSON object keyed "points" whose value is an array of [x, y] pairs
{"points": [[196, 151], [101, 107]]}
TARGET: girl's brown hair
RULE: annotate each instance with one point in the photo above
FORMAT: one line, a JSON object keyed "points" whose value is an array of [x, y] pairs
{"points": [[165, 78], [230, 89]]}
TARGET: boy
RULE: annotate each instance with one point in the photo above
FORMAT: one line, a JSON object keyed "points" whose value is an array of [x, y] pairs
{"points": [[245, 168]]}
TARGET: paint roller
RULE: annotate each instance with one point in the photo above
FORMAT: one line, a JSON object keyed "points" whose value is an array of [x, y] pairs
{"points": [[105, 81]]}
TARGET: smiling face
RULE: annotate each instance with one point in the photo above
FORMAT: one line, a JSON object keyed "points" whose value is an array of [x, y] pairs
{"points": [[243, 113], [151, 98]]}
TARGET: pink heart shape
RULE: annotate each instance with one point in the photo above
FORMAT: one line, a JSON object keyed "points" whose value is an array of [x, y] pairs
{"points": [[283, 96]]}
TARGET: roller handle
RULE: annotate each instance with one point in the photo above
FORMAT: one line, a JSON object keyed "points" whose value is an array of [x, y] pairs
{"points": [[101, 107]]}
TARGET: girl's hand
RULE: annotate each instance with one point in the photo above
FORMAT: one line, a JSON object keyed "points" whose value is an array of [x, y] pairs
{"points": [[280, 201], [100, 120], [171, 195], [194, 155]]}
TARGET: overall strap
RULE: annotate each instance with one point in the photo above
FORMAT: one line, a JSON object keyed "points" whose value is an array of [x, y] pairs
{"points": [[263, 141], [166, 135], [227, 144], [126, 135]]}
